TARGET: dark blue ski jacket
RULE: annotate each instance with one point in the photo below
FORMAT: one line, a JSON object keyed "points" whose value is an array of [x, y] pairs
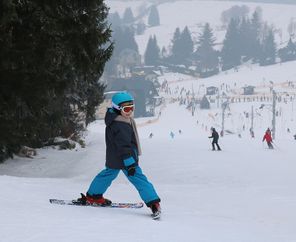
{"points": [[121, 144]]}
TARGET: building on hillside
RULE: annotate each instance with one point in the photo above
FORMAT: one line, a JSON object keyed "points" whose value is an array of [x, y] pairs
{"points": [[212, 90], [149, 72], [249, 90]]}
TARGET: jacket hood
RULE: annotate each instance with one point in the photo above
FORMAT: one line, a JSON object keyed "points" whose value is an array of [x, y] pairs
{"points": [[110, 116]]}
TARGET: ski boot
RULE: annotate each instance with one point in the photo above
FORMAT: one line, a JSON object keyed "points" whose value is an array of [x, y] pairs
{"points": [[95, 200], [156, 210]]}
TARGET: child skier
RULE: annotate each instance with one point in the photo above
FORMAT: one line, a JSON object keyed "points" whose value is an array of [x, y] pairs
{"points": [[215, 137], [268, 138], [122, 151]]}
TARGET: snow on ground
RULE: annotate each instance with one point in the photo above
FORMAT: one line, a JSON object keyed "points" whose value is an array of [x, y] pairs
{"points": [[247, 75], [264, 79], [244, 193]]}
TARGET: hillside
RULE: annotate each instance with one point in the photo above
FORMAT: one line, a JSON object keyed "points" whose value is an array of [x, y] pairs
{"points": [[198, 13], [270, 1]]}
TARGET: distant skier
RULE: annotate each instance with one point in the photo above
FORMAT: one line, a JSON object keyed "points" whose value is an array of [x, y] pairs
{"points": [[150, 135], [215, 137], [252, 133], [267, 137], [172, 134], [180, 131]]}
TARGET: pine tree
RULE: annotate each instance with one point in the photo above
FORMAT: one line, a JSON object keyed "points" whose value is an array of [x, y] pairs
{"points": [[128, 16], [269, 51], [182, 46], [176, 47], [52, 55], [255, 31], [124, 38], [245, 39], [153, 19], [231, 52], [205, 55], [187, 44], [152, 52], [288, 53]]}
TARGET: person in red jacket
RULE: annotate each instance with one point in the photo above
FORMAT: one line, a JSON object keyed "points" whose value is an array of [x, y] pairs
{"points": [[268, 138]]}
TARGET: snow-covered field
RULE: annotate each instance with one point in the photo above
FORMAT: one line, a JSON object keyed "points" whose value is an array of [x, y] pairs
{"points": [[245, 193]]}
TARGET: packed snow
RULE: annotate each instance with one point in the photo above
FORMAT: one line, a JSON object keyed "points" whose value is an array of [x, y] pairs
{"points": [[244, 193]]}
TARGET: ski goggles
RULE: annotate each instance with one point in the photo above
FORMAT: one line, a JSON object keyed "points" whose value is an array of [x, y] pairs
{"points": [[127, 108]]}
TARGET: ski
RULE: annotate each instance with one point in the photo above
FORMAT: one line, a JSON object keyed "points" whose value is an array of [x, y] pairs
{"points": [[112, 205]]}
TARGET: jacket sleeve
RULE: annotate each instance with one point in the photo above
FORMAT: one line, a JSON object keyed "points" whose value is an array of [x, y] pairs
{"points": [[123, 141]]}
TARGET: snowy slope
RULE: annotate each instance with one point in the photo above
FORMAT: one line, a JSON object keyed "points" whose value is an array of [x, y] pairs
{"points": [[244, 193]]}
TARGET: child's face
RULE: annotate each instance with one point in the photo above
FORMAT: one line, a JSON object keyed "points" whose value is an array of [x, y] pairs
{"points": [[127, 109]]}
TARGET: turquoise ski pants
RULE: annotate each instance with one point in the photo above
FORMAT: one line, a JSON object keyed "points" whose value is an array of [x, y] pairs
{"points": [[104, 179]]}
